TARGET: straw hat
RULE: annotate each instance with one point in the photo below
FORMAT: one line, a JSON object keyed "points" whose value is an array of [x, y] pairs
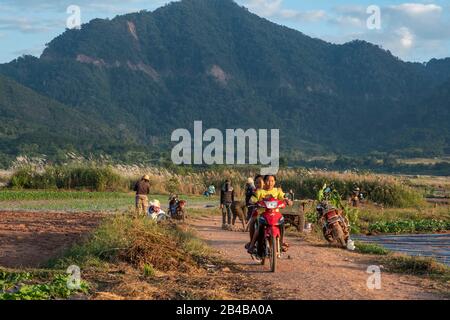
{"points": [[250, 181], [146, 177]]}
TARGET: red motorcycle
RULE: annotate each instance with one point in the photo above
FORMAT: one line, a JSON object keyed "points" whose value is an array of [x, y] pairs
{"points": [[335, 226], [271, 220]]}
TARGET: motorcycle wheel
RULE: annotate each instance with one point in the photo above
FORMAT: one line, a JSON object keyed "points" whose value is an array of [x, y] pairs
{"points": [[338, 235], [273, 254], [263, 258], [328, 237]]}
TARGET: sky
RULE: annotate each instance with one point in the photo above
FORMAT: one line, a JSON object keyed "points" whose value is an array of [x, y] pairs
{"points": [[413, 31]]}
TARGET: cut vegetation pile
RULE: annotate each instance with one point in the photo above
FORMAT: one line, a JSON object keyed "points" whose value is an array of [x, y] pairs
{"points": [[138, 242]]}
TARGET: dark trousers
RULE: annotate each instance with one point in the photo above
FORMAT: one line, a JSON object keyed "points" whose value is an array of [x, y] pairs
{"points": [[226, 214]]}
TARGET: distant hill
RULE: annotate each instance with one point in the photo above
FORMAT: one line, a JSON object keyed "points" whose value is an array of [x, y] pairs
{"points": [[33, 124], [142, 75]]}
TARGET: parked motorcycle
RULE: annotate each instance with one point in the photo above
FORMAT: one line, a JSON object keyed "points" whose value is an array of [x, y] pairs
{"points": [[271, 220], [335, 226], [177, 208]]}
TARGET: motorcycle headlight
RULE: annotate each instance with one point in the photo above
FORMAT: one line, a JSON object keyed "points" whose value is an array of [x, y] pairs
{"points": [[271, 204]]}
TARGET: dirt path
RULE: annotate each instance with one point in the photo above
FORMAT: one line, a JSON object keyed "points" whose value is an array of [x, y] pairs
{"points": [[29, 239], [314, 271]]}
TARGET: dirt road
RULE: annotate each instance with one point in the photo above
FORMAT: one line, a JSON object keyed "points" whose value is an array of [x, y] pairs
{"points": [[29, 239], [310, 271]]}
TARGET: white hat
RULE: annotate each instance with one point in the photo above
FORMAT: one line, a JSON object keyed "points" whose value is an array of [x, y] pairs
{"points": [[250, 181], [156, 203]]}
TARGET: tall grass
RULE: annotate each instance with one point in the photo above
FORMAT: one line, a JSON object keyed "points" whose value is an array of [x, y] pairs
{"points": [[68, 178], [380, 189], [386, 190]]}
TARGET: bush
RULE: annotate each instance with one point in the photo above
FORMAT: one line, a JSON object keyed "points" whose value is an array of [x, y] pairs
{"points": [[388, 192]]}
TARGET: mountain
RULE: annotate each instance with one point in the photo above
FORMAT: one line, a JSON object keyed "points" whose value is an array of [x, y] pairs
{"points": [[142, 75], [33, 124]]}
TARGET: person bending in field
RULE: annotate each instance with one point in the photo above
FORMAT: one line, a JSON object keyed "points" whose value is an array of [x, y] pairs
{"points": [[268, 191]]}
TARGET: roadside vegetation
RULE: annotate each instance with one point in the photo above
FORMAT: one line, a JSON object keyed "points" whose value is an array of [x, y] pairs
{"points": [[37, 285], [128, 258], [421, 266]]}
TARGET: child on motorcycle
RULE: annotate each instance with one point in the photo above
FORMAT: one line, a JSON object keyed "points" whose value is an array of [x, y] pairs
{"points": [[268, 191]]}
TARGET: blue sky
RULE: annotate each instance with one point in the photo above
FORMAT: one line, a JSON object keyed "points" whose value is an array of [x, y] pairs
{"points": [[413, 31]]}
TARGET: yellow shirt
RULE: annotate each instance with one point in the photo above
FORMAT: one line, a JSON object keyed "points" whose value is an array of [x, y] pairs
{"points": [[261, 194]]}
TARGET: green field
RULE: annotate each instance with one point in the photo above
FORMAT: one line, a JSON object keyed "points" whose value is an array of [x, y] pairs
{"points": [[81, 201]]}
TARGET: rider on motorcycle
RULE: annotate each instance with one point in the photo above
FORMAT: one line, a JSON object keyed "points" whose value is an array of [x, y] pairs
{"points": [[269, 191]]}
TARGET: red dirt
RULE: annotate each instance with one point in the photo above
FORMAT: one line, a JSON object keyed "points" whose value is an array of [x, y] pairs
{"points": [[29, 239], [314, 271]]}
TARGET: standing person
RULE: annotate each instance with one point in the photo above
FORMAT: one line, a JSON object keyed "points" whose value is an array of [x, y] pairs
{"points": [[142, 188], [291, 195], [226, 200], [249, 190], [355, 197]]}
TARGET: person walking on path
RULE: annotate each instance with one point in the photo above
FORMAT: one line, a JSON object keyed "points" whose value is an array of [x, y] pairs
{"points": [[226, 200], [142, 188]]}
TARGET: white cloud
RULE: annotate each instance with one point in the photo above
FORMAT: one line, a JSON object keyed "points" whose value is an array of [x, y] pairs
{"points": [[406, 37], [417, 9], [275, 9], [26, 25], [265, 8], [411, 31]]}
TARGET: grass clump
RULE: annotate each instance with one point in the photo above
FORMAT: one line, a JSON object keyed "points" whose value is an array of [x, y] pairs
{"points": [[149, 271], [370, 248], [417, 266]]}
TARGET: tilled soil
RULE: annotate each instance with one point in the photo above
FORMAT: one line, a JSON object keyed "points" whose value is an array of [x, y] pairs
{"points": [[314, 271], [30, 239]]}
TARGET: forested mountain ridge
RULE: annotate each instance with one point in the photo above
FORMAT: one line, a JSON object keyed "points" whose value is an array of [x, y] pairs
{"points": [[142, 75]]}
